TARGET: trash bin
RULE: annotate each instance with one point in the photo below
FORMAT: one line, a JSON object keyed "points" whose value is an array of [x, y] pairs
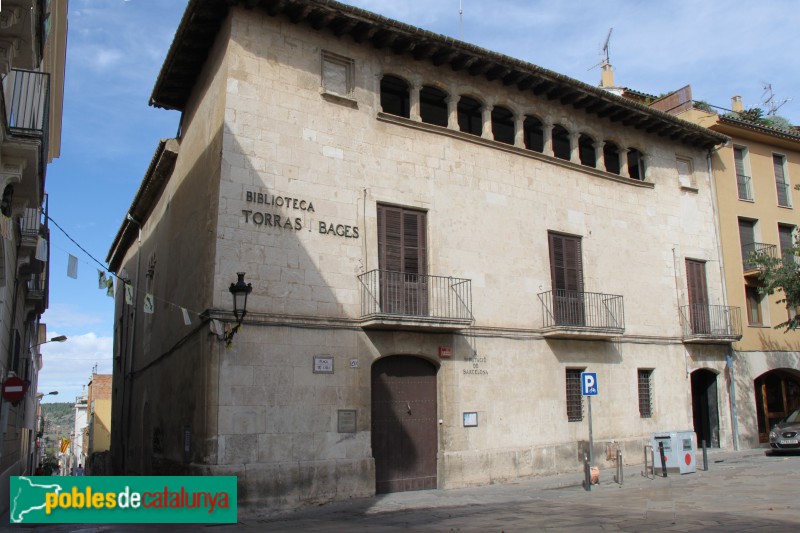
{"points": [[680, 448]]}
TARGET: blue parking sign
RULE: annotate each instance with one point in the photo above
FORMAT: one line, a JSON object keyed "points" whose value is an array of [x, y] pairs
{"points": [[588, 383]]}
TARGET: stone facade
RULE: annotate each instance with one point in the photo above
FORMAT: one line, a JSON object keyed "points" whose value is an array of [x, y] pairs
{"points": [[281, 176]]}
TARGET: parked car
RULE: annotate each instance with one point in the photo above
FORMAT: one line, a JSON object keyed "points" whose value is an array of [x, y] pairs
{"points": [[786, 434]]}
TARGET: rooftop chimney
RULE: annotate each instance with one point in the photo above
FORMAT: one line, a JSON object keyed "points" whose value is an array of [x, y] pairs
{"points": [[606, 76], [736, 104]]}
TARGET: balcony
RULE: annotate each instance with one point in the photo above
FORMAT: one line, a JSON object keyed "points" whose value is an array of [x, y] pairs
{"points": [[582, 315], [744, 185], [711, 324], [414, 301], [751, 267], [26, 103]]}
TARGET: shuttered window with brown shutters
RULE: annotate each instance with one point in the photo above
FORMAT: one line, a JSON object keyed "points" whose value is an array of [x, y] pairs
{"points": [[402, 259], [566, 272], [698, 297]]}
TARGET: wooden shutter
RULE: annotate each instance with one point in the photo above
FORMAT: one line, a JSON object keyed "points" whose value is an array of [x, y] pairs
{"points": [[738, 158], [566, 266], [402, 259], [785, 237], [698, 297], [696, 279], [747, 236], [566, 270], [780, 180]]}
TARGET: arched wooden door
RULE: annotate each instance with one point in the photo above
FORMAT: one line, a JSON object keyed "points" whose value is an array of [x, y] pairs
{"points": [[404, 427], [777, 395]]}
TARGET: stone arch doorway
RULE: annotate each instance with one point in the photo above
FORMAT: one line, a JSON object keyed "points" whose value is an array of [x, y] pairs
{"points": [[777, 395], [404, 424], [705, 407]]}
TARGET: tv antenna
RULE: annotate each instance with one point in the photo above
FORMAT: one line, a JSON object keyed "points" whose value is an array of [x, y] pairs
{"points": [[605, 46], [770, 103], [460, 21], [605, 51]]}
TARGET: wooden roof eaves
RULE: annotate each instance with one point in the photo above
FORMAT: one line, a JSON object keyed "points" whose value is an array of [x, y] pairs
{"points": [[385, 32], [158, 172]]}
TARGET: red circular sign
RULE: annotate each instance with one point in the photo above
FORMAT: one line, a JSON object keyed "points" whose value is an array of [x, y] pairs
{"points": [[14, 389], [688, 459]]}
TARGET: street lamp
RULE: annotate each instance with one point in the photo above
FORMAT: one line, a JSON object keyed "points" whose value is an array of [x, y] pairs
{"points": [[239, 290], [40, 395], [60, 338]]}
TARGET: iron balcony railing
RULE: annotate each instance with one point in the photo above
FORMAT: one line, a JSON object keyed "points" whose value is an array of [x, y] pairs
{"points": [[711, 321], [743, 183], [386, 292], [589, 310], [37, 287], [754, 249], [26, 102]]}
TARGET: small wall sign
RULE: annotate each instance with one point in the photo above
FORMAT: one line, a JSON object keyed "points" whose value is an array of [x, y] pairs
{"points": [[346, 420], [323, 364], [445, 352], [471, 420]]}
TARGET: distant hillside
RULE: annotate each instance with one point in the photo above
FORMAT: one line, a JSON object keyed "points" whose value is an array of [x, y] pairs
{"points": [[59, 418]]}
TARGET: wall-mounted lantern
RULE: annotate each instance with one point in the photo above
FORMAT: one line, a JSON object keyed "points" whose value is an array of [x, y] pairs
{"points": [[239, 290]]}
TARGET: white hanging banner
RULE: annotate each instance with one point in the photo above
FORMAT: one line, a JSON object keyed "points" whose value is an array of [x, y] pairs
{"points": [[72, 267]]}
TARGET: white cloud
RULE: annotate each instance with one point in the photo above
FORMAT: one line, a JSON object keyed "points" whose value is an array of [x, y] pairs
{"points": [[105, 58], [67, 366]]}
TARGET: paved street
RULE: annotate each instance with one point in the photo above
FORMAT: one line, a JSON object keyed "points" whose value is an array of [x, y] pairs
{"points": [[741, 491]]}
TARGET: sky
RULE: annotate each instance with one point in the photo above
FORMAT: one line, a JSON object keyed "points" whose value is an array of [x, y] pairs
{"points": [[116, 47]]}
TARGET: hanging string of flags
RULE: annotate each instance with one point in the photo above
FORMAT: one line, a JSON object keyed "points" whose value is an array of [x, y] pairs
{"points": [[31, 221], [105, 279]]}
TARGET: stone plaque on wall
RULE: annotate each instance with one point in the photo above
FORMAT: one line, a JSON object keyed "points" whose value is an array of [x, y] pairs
{"points": [[323, 364], [346, 421]]}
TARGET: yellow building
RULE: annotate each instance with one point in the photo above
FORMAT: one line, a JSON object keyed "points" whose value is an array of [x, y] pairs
{"points": [[757, 211], [98, 436]]}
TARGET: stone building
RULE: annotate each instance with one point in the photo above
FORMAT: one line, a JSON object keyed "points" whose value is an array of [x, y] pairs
{"points": [[439, 240], [757, 211], [33, 37]]}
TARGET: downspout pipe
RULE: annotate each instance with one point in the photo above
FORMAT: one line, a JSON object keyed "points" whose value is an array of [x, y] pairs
{"points": [[729, 355], [129, 371]]}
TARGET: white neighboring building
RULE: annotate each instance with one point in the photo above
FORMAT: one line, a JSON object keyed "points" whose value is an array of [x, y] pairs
{"points": [[78, 449]]}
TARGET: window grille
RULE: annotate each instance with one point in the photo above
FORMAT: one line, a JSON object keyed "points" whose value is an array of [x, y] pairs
{"points": [[645, 393], [574, 398]]}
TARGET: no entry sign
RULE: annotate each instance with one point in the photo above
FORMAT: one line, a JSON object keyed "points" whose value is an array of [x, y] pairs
{"points": [[14, 389]]}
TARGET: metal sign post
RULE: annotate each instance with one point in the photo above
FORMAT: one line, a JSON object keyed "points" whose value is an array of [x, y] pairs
{"points": [[589, 389], [591, 437]]}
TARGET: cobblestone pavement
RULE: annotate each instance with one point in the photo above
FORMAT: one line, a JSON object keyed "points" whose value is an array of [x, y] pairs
{"points": [[742, 491]]}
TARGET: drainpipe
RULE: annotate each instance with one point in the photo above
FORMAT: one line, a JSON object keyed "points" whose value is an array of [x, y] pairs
{"points": [[129, 372], [729, 355]]}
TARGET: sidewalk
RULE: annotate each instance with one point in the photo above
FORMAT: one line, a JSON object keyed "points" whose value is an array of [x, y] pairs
{"points": [[741, 491]]}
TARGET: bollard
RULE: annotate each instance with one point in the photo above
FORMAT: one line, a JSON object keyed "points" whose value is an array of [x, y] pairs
{"points": [[649, 468], [663, 458], [618, 475], [705, 455], [587, 473], [652, 474]]}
